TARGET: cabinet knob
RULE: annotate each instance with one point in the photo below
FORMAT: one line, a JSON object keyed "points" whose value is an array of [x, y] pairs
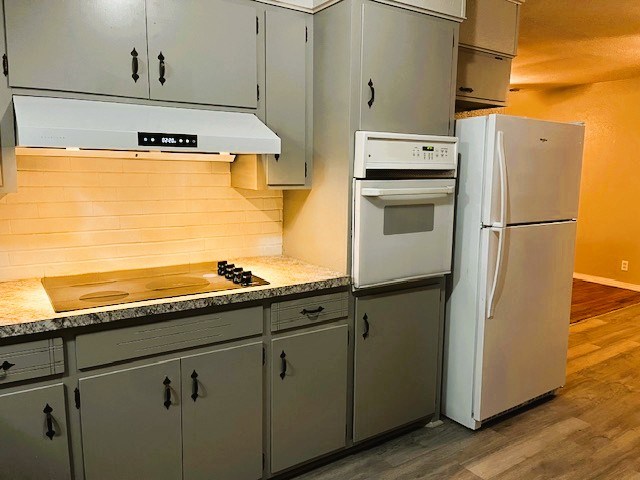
{"points": [[373, 93], [466, 89], [283, 369], [161, 68], [49, 419], [194, 386], [312, 312]]}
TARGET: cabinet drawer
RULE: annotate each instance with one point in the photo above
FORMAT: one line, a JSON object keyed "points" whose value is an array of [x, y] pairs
{"points": [[101, 348], [31, 360], [309, 311], [482, 75]]}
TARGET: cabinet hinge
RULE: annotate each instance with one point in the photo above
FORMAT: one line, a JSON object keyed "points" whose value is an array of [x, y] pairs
{"points": [[305, 169], [306, 34], [264, 355], [258, 92], [257, 25], [76, 397], [5, 65]]}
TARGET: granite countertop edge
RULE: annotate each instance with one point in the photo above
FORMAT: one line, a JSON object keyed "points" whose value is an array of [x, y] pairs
{"points": [[164, 306]]}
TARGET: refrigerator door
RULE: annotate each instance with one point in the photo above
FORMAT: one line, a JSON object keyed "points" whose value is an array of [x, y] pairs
{"points": [[524, 327], [532, 171]]}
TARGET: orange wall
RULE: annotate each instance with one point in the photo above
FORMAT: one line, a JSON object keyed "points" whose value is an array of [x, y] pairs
{"points": [[609, 216]]}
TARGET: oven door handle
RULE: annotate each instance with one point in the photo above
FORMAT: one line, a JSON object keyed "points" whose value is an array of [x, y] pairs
{"points": [[408, 193]]}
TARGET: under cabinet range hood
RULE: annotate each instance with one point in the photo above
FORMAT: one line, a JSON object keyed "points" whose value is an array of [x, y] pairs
{"points": [[101, 125]]}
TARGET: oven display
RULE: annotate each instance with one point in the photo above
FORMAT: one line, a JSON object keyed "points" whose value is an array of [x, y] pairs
{"points": [[151, 139], [428, 149]]}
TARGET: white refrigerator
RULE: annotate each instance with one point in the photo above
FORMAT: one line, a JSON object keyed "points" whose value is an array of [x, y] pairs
{"points": [[509, 300]]}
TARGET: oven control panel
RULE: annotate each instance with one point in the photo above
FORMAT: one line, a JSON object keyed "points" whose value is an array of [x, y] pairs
{"points": [[393, 151]]}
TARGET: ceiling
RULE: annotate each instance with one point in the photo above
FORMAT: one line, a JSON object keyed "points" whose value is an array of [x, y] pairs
{"points": [[569, 42]]}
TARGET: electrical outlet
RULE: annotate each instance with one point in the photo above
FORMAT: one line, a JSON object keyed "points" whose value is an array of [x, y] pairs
{"points": [[625, 266]]}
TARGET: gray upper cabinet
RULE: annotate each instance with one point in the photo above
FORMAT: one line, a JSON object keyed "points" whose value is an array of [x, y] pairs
{"points": [[396, 360], [491, 25], [288, 93], [407, 71], [79, 46], [131, 423], [222, 414], [308, 395], [203, 51], [482, 77], [34, 435]]}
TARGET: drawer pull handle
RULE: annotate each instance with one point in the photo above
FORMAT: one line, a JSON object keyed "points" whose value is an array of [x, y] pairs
{"points": [[194, 387], [466, 89], [365, 334], [283, 372], [50, 431], [7, 365], [134, 65], [167, 392], [161, 79], [373, 93], [312, 312]]}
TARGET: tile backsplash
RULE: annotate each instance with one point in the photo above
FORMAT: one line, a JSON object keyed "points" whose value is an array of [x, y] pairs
{"points": [[89, 214]]}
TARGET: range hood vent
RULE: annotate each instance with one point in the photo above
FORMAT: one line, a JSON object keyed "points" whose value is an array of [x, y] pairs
{"points": [[97, 125]]}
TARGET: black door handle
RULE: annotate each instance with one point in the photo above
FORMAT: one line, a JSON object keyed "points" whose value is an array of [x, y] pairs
{"points": [[7, 365], [162, 69], [167, 392], [49, 419], [311, 312], [194, 386], [283, 370], [365, 334], [373, 93], [466, 89], [134, 65]]}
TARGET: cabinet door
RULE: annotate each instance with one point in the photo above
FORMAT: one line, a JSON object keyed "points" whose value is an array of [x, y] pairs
{"points": [[482, 76], [396, 358], [131, 423], [491, 25], [222, 414], [203, 51], [35, 444], [308, 395], [286, 96], [407, 74], [79, 46]]}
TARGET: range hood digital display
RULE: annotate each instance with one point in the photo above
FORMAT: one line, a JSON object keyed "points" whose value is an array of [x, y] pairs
{"points": [[147, 139]]}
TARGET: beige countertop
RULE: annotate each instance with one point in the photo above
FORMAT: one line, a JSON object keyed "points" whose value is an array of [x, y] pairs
{"points": [[25, 307]]}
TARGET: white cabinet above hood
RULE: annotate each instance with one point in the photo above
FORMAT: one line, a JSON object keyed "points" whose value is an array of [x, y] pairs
{"points": [[97, 125]]}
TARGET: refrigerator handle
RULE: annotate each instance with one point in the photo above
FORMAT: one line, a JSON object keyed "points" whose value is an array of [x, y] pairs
{"points": [[496, 275], [502, 164]]}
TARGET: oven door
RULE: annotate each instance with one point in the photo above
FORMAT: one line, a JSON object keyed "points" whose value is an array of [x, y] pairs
{"points": [[402, 230]]}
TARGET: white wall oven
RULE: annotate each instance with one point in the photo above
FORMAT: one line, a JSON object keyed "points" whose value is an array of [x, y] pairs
{"points": [[404, 191]]}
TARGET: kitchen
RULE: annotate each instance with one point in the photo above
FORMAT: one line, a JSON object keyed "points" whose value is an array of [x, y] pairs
{"points": [[205, 282]]}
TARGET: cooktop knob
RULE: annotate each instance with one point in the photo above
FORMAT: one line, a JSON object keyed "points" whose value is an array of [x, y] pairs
{"points": [[237, 275], [229, 271], [246, 278], [222, 267]]}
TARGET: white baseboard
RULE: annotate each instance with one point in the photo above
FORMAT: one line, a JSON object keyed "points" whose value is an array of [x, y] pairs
{"points": [[606, 281]]}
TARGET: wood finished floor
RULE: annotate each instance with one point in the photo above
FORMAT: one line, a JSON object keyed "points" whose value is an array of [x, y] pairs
{"points": [[591, 299], [590, 430]]}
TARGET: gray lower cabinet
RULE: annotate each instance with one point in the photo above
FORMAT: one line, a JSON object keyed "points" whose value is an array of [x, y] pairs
{"points": [[131, 423], [308, 395], [288, 93], [76, 45], [407, 71], [396, 359], [203, 51], [33, 435], [222, 414]]}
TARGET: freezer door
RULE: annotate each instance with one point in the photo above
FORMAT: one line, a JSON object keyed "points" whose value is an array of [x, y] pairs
{"points": [[522, 338], [533, 168]]}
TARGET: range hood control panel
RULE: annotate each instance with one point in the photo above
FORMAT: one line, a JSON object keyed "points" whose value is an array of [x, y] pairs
{"points": [[155, 139]]}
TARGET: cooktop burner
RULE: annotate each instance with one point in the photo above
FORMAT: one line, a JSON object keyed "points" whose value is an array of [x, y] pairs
{"points": [[90, 290]]}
